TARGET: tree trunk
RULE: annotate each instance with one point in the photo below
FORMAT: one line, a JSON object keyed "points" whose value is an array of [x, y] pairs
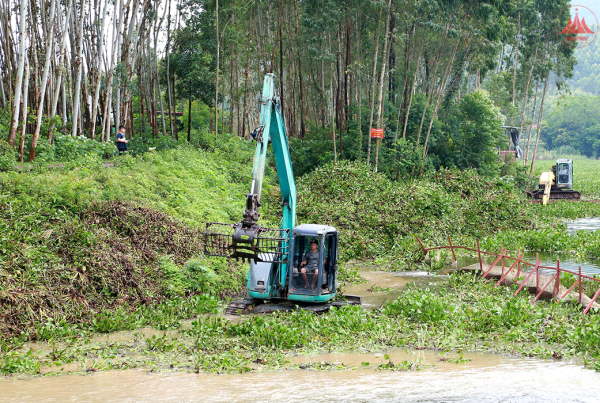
{"points": [[382, 79], [189, 120], [98, 73], [431, 88], [40, 109], [516, 57], [539, 124], [412, 89], [18, 87], [217, 72], [168, 51], [79, 62], [373, 84], [527, 91], [529, 131], [300, 83], [25, 112], [440, 96]]}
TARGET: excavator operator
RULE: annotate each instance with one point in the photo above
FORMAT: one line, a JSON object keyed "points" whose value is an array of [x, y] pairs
{"points": [[310, 264], [563, 173]]}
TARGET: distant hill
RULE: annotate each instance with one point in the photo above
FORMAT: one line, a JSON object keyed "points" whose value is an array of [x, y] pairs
{"points": [[586, 75]]}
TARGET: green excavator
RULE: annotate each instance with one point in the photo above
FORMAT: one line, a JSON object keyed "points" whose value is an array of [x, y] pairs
{"points": [[283, 261]]}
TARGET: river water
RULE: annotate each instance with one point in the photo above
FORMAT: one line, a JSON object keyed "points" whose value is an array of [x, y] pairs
{"points": [[583, 224], [487, 378]]}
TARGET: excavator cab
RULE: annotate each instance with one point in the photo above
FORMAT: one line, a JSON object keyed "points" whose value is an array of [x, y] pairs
{"points": [[309, 279], [564, 173]]}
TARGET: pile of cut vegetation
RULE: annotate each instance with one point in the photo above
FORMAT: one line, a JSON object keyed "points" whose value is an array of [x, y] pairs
{"points": [[114, 255], [86, 239]]}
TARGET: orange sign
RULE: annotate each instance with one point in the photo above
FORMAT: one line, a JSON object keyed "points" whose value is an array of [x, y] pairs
{"points": [[377, 133]]}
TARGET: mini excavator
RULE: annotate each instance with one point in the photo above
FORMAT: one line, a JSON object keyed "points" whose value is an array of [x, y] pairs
{"points": [[278, 269], [553, 186]]}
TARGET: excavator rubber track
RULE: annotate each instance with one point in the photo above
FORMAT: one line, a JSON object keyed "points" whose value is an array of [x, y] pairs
{"points": [[250, 305], [556, 195], [241, 307]]}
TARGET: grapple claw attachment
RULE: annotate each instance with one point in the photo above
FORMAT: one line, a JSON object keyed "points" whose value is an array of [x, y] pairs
{"points": [[253, 243]]}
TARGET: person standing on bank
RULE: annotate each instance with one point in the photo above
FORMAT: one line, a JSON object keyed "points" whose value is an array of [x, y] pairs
{"points": [[121, 140]]}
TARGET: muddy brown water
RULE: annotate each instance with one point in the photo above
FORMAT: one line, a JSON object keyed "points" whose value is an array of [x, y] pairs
{"points": [[487, 378], [392, 283]]}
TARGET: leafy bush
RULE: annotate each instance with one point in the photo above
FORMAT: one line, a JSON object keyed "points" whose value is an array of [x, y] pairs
{"points": [[67, 148], [193, 277], [420, 305], [380, 217], [8, 157]]}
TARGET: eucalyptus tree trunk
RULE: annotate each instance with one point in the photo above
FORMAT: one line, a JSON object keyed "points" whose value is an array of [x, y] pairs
{"points": [[441, 91], [157, 77], [300, 83], [412, 89], [25, 111], [333, 117], [79, 62], [100, 50], [539, 124], [2, 91], [373, 84], [530, 130], [12, 134], [40, 109], [514, 83], [382, 79], [527, 91], [61, 66], [217, 71], [430, 94], [120, 33]]}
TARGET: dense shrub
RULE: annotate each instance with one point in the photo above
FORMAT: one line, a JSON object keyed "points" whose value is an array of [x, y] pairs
{"points": [[377, 216]]}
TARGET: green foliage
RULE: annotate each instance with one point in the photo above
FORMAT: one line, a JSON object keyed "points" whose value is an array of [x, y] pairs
{"points": [[473, 139], [8, 157], [14, 362], [71, 228], [379, 217], [313, 151], [574, 121], [421, 306], [67, 148], [193, 277]]}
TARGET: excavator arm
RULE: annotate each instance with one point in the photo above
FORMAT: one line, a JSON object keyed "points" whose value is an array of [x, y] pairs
{"points": [[247, 239]]}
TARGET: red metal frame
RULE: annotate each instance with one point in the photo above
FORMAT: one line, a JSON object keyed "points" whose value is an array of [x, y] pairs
{"points": [[518, 262], [505, 153]]}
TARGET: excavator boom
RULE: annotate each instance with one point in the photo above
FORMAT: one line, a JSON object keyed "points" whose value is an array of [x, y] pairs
{"points": [[247, 239]]}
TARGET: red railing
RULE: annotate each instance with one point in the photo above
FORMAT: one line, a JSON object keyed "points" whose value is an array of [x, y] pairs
{"points": [[519, 263], [510, 155]]}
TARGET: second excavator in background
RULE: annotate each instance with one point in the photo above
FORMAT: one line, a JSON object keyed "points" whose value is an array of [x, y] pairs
{"points": [[556, 184]]}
